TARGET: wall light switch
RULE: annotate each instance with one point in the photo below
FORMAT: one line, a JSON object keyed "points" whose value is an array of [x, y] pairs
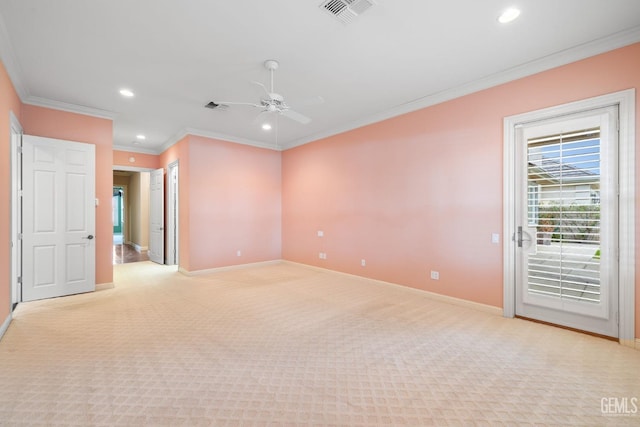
{"points": [[495, 238], [320, 233]]}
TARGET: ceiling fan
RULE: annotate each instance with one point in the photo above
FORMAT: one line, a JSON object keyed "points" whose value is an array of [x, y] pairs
{"points": [[273, 102]]}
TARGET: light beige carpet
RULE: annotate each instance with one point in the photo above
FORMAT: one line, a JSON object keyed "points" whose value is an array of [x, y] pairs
{"points": [[286, 345]]}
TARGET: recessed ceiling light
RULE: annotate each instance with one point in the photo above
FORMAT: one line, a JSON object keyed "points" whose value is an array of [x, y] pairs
{"points": [[126, 92], [509, 15], [141, 137], [266, 126]]}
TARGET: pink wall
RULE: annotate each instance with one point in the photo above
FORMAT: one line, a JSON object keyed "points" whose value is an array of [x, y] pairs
{"points": [[147, 161], [423, 191], [385, 193], [9, 102], [76, 127], [233, 204]]}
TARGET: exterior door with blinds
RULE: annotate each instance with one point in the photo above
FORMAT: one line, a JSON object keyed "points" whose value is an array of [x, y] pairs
{"points": [[567, 221]]}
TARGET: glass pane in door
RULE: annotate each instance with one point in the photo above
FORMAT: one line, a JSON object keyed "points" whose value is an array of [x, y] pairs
{"points": [[564, 208]]}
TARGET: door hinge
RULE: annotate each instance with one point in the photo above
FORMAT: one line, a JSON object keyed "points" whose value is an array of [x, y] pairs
{"points": [[20, 279], [19, 236], [618, 318], [19, 149]]}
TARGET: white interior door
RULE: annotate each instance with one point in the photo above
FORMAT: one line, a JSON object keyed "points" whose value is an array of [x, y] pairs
{"points": [[567, 221], [58, 222], [156, 216]]}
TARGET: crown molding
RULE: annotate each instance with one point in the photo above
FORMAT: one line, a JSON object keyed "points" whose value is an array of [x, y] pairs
{"points": [[228, 138], [564, 57], [71, 108], [131, 168], [213, 135], [172, 141], [135, 149]]}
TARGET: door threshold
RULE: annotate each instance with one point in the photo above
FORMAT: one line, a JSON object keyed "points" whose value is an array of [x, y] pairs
{"points": [[593, 334]]}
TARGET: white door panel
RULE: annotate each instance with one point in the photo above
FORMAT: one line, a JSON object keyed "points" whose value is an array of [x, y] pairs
{"points": [[58, 218], [156, 216]]}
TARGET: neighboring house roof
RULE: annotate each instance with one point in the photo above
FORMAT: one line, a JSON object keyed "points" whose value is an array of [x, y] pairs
{"points": [[553, 170]]}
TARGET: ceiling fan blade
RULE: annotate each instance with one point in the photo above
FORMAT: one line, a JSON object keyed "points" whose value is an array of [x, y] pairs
{"points": [[293, 115], [316, 100], [238, 103], [262, 86]]}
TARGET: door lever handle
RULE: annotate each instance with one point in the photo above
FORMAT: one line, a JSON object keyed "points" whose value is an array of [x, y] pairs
{"points": [[90, 237], [520, 236]]}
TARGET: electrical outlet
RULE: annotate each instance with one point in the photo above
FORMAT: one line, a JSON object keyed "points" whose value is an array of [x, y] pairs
{"points": [[320, 233], [435, 275], [363, 262], [322, 255], [239, 252]]}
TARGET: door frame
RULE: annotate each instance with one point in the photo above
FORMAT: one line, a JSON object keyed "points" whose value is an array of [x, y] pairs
{"points": [[173, 212], [126, 231], [15, 259], [625, 100]]}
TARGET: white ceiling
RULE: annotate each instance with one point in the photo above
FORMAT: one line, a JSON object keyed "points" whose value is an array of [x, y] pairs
{"points": [[177, 55]]}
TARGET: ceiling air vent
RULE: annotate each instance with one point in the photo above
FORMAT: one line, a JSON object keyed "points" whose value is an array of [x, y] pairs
{"points": [[346, 10]]}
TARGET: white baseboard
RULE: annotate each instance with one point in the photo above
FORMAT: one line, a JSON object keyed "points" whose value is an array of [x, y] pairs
{"points": [[438, 297], [137, 247], [5, 325], [633, 343], [104, 286], [227, 268]]}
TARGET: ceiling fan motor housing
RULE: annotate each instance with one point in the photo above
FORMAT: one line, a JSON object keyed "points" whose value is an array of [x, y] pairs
{"points": [[271, 64]]}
